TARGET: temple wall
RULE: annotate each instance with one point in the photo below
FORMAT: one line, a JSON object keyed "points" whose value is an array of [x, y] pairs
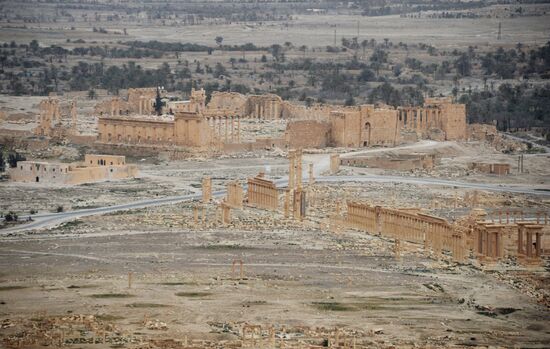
{"points": [[231, 102], [307, 134], [454, 121], [192, 130]]}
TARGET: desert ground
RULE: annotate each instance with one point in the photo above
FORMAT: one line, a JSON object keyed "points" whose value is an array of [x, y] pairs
{"points": [[144, 263], [152, 274]]}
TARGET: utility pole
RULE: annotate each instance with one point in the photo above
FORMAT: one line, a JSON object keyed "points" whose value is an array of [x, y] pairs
{"points": [[499, 35], [357, 31], [334, 37]]}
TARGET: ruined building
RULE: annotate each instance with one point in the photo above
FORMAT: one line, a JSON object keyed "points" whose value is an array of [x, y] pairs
{"points": [[370, 125], [50, 119], [185, 126], [94, 168], [217, 125]]}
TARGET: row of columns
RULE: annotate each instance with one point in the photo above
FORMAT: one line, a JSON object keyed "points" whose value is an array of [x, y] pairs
{"points": [[234, 195], [115, 106], [262, 193], [436, 235], [527, 246], [225, 128], [489, 241], [419, 118], [145, 106], [267, 110], [363, 216]]}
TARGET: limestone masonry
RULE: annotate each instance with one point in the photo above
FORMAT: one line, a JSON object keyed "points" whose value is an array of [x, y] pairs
{"points": [[94, 168], [194, 123]]}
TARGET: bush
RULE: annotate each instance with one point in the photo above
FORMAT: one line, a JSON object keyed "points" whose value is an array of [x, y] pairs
{"points": [[11, 217]]}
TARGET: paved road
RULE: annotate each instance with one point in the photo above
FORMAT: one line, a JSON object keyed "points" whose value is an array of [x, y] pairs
{"points": [[533, 143]]}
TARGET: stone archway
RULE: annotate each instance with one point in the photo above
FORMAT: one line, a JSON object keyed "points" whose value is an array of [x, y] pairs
{"points": [[366, 134]]}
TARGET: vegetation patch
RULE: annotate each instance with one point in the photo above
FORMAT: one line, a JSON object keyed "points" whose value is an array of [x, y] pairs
{"points": [[222, 247], [176, 283], [111, 295], [333, 306], [12, 287], [193, 294], [80, 286], [146, 305], [71, 224], [253, 303]]}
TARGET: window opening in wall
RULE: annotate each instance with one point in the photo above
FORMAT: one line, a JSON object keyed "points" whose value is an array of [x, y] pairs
{"points": [[37, 179]]}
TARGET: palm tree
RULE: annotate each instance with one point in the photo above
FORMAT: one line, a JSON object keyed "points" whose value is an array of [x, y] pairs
{"points": [[364, 45]]}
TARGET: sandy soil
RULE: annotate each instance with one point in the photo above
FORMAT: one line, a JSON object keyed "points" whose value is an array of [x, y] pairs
{"points": [[306, 30]]}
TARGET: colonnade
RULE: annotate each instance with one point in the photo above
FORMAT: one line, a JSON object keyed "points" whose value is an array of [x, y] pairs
{"points": [[262, 193], [225, 128], [436, 233], [234, 195], [527, 246], [489, 241], [145, 106], [115, 106], [266, 110], [364, 217], [507, 216], [419, 118]]}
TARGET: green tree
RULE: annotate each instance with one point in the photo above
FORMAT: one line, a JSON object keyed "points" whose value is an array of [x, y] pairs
{"points": [[463, 65], [158, 103], [34, 46]]}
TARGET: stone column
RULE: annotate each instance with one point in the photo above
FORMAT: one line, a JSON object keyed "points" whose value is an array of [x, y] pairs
{"points": [[195, 215], [521, 232], [238, 129], [219, 119], [299, 169], [287, 202], [529, 243], [538, 244], [206, 189], [226, 129], [291, 174], [232, 129]]}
